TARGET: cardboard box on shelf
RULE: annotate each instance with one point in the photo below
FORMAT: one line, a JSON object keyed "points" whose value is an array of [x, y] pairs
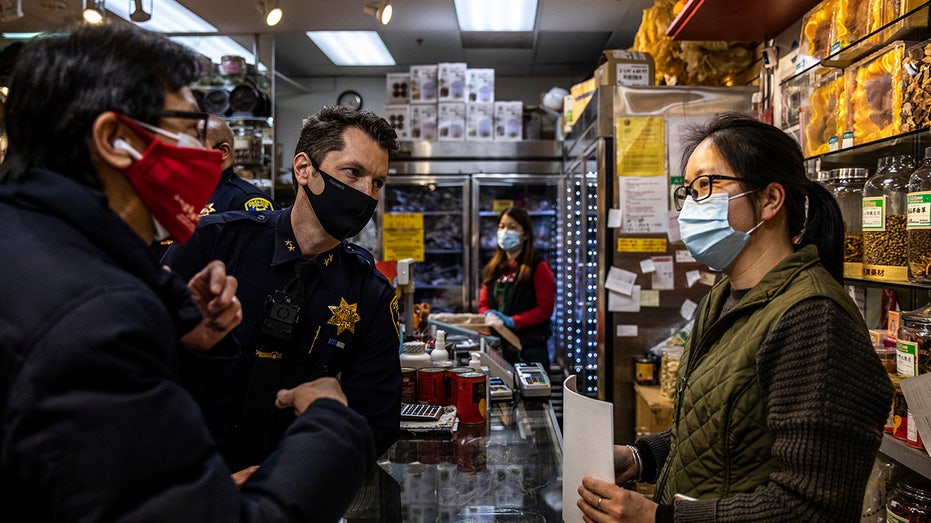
{"points": [[397, 87], [451, 121], [451, 78], [423, 84], [619, 67], [480, 120], [399, 116], [480, 85], [423, 121], [509, 119]]}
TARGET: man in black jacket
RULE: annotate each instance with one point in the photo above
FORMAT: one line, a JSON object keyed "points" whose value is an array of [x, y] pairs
{"points": [[105, 154]]}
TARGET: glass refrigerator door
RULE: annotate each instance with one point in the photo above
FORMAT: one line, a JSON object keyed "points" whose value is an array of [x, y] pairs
{"points": [[491, 194], [441, 278], [576, 325]]}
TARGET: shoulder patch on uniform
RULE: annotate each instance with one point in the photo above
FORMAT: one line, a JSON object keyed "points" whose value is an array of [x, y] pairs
{"points": [[258, 204]]}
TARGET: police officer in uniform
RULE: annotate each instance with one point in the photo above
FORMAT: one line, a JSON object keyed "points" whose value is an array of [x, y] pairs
{"points": [[313, 304], [232, 193]]}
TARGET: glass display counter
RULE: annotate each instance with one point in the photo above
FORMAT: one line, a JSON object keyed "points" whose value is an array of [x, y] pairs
{"points": [[509, 469]]}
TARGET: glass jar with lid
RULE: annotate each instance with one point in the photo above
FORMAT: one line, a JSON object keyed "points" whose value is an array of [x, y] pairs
{"points": [[848, 192], [909, 501], [919, 222], [913, 346], [884, 216]]}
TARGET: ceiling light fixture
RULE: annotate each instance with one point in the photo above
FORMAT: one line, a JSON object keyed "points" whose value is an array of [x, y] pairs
{"points": [[382, 11], [94, 11], [139, 14], [352, 47], [496, 15], [271, 11]]}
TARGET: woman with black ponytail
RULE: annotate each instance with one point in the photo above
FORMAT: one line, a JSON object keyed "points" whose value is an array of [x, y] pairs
{"points": [[781, 399]]}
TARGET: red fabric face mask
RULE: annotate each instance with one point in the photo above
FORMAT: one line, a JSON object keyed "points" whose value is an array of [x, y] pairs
{"points": [[173, 182]]}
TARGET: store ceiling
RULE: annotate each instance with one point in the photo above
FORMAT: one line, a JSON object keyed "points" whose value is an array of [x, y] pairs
{"points": [[567, 40]]}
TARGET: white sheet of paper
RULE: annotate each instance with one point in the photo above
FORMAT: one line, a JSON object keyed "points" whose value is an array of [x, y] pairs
{"points": [[643, 199], [687, 310], [708, 278], [614, 218], [692, 277], [672, 227], [664, 279], [620, 303], [626, 331], [588, 445], [647, 266], [917, 392], [620, 280], [683, 256]]}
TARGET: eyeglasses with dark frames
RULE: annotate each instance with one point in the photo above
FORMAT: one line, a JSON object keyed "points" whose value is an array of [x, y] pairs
{"points": [[191, 115], [699, 189]]}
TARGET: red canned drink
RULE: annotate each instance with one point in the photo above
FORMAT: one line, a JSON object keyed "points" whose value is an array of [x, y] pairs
{"points": [[471, 402], [431, 385], [452, 383], [408, 385]]}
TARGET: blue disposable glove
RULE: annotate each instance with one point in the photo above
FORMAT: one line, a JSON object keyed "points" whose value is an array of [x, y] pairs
{"points": [[505, 319]]}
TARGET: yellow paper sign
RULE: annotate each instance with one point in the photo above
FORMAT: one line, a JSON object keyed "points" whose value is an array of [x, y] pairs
{"points": [[403, 236], [413, 220], [499, 205], [641, 146], [641, 245]]}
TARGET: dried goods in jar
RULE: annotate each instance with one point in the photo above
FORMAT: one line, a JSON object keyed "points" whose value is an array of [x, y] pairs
{"points": [[888, 247], [916, 95], [875, 93], [850, 21], [853, 247]]}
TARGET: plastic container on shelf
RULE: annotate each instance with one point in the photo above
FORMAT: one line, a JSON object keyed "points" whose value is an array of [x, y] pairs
{"points": [[668, 366], [848, 192], [850, 17], [415, 355], [919, 222], [815, 38], [885, 241], [822, 118], [874, 94], [916, 87]]}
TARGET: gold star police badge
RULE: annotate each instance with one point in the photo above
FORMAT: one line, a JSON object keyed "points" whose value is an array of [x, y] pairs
{"points": [[208, 209], [290, 245], [344, 316]]}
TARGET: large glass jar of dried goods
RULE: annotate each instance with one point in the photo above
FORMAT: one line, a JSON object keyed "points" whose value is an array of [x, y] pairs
{"points": [[919, 222], [885, 241], [913, 346], [848, 191], [909, 501]]}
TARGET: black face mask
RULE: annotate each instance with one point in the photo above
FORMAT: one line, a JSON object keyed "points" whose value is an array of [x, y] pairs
{"points": [[342, 210]]}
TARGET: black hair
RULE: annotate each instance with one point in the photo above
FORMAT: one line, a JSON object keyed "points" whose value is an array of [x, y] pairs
{"points": [[62, 82], [525, 262], [762, 154], [323, 132]]}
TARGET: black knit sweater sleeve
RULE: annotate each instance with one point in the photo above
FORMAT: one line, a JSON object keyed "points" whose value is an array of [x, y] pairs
{"points": [[827, 397]]}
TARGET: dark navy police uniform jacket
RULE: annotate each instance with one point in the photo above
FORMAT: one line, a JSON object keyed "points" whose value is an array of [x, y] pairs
{"points": [[348, 326], [235, 194]]}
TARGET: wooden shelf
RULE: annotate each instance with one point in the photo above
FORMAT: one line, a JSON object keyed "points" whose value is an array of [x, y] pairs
{"points": [[746, 21]]}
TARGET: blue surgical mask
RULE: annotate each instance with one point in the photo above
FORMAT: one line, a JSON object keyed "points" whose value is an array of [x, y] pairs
{"points": [[508, 240], [708, 235]]}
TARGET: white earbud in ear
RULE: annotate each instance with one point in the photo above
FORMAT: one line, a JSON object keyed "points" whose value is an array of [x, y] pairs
{"points": [[119, 143]]}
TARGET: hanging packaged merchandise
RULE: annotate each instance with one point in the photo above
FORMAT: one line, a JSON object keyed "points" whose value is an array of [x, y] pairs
{"points": [[848, 192], [919, 222], [885, 241]]}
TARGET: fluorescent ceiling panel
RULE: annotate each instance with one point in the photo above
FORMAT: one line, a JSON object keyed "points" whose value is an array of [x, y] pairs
{"points": [[347, 48], [169, 16], [496, 15]]}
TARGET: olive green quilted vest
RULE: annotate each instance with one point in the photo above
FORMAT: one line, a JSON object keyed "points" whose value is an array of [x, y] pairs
{"points": [[720, 442]]}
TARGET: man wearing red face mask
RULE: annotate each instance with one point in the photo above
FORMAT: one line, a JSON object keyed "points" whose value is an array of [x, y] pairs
{"points": [[106, 154]]}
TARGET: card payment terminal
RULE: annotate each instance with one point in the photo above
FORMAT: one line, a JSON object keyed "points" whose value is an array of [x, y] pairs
{"points": [[532, 380]]}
